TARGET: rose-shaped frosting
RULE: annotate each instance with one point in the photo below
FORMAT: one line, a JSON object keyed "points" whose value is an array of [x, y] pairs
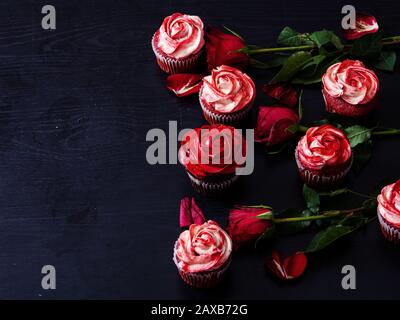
{"points": [[324, 146], [389, 203], [227, 89], [203, 247], [212, 149], [351, 81], [180, 35]]}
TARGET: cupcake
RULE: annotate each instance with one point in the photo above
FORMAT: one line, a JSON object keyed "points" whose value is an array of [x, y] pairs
{"points": [[211, 156], [389, 211], [179, 43], [323, 156], [226, 95], [202, 254], [350, 89]]}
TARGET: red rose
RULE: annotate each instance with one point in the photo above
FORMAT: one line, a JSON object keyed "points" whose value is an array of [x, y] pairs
{"points": [[244, 226], [365, 24], [222, 49], [272, 125]]}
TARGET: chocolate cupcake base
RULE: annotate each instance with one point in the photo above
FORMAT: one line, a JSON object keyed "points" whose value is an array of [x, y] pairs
{"points": [[317, 180], [172, 66], [207, 279], [233, 119], [212, 185], [390, 232], [343, 108]]}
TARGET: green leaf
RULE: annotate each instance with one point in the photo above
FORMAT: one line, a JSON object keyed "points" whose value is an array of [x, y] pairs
{"points": [[311, 197], [266, 215], [324, 37], [271, 63], [293, 128], [313, 71], [362, 154], [234, 33], [292, 65], [386, 60], [358, 134], [325, 237], [367, 46], [292, 227], [266, 236], [289, 37]]}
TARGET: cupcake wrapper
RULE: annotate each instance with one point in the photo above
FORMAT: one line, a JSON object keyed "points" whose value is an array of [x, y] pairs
{"points": [[172, 66], [343, 108], [206, 187], [319, 181], [234, 118], [207, 279], [390, 232]]}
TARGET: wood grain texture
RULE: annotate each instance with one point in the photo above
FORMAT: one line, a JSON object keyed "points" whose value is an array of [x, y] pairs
{"points": [[76, 191]]}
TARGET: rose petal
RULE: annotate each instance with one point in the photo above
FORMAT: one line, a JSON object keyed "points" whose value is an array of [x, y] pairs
{"points": [[283, 93], [365, 24], [290, 268], [184, 84], [190, 213], [295, 265]]}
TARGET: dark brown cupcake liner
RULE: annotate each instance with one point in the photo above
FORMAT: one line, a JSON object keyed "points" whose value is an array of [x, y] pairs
{"points": [[321, 181], [172, 66], [233, 119], [389, 231], [208, 279], [212, 187], [343, 108]]}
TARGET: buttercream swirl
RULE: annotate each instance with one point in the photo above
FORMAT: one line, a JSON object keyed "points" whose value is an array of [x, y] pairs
{"points": [[389, 203], [227, 89], [351, 81], [204, 247], [212, 149], [180, 35], [324, 146]]}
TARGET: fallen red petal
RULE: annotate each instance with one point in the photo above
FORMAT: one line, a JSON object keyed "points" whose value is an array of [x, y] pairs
{"points": [[291, 268], [365, 24], [284, 93], [184, 84], [190, 213], [295, 265]]}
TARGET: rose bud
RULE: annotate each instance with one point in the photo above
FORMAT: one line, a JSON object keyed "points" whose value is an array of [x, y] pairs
{"points": [[244, 226], [273, 123], [221, 49], [289, 268], [365, 24]]}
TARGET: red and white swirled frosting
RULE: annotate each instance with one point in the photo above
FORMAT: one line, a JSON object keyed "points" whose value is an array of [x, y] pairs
{"points": [[389, 203], [204, 247], [227, 89], [324, 146], [351, 81], [180, 35], [212, 150]]}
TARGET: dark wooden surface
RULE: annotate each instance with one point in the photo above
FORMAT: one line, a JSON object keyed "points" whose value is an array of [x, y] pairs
{"points": [[76, 191]]}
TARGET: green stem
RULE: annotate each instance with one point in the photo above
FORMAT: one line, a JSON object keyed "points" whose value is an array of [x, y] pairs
{"points": [[387, 132], [325, 215], [384, 41]]}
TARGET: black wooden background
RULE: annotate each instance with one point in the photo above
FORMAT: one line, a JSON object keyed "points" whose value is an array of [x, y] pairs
{"points": [[76, 191]]}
